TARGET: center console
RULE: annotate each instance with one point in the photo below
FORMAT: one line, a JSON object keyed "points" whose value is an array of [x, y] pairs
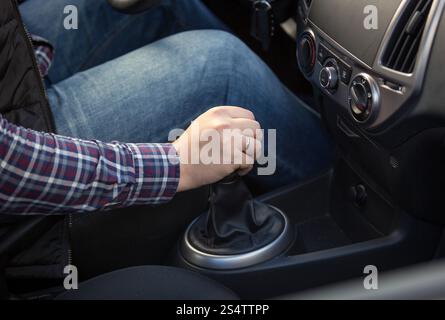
{"points": [[334, 226]]}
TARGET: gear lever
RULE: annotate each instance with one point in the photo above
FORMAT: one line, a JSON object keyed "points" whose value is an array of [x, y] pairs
{"points": [[237, 225]]}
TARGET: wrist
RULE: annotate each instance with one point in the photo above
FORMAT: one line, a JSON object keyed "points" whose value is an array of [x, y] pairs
{"points": [[184, 180]]}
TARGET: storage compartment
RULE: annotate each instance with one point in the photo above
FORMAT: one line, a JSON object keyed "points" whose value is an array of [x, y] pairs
{"points": [[334, 210]]}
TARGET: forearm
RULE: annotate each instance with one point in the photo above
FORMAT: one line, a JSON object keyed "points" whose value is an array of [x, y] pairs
{"points": [[43, 173]]}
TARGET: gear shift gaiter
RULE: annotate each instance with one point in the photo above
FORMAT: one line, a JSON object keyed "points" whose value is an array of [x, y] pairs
{"points": [[236, 224]]}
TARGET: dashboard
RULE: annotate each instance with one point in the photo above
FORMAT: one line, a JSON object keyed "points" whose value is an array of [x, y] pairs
{"points": [[342, 25], [376, 67], [368, 56]]}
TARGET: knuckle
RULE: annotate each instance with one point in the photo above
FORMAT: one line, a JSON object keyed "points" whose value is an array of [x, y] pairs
{"points": [[260, 135], [248, 132], [218, 110], [221, 125]]}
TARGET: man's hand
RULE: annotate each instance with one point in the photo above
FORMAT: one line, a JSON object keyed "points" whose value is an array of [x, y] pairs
{"points": [[237, 136]]}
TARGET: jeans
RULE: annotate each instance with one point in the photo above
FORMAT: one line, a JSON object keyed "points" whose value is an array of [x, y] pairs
{"points": [[133, 78]]}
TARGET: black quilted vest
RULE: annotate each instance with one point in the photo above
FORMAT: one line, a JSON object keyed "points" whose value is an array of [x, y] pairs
{"points": [[30, 246]]}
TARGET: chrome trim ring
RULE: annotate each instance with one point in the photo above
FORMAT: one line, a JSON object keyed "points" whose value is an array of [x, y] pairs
{"points": [[311, 34], [230, 262]]}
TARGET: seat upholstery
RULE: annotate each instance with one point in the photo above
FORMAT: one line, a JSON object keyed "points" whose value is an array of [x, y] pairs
{"points": [[150, 283]]}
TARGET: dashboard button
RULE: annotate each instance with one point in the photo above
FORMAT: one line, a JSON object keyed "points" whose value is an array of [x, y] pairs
{"points": [[345, 72], [323, 53]]}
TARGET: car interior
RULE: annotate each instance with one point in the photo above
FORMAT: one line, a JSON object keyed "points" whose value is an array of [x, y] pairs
{"points": [[380, 93]]}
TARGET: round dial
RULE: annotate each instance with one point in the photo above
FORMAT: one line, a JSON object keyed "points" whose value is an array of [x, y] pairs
{"points": [[307, 53], [364, 97], [329, 75]]}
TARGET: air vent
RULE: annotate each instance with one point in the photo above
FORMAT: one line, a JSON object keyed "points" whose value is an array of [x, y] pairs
{"points": [[403, 48]]}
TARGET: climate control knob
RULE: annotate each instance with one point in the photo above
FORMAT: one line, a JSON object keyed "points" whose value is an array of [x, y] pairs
{"points": [[329, 78], [364, 97], [329, 75]]}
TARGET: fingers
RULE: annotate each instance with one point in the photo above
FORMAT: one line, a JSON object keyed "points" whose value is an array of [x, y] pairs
{"points": [[243, 172], [238, 143], [248, 126], [246, 152], [238, 112], [251, 147], [241, 140], [246, 166]]}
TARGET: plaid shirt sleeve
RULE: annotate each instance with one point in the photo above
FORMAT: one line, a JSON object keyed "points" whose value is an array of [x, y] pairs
{"points": [[43, 173], [44, 52]]}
